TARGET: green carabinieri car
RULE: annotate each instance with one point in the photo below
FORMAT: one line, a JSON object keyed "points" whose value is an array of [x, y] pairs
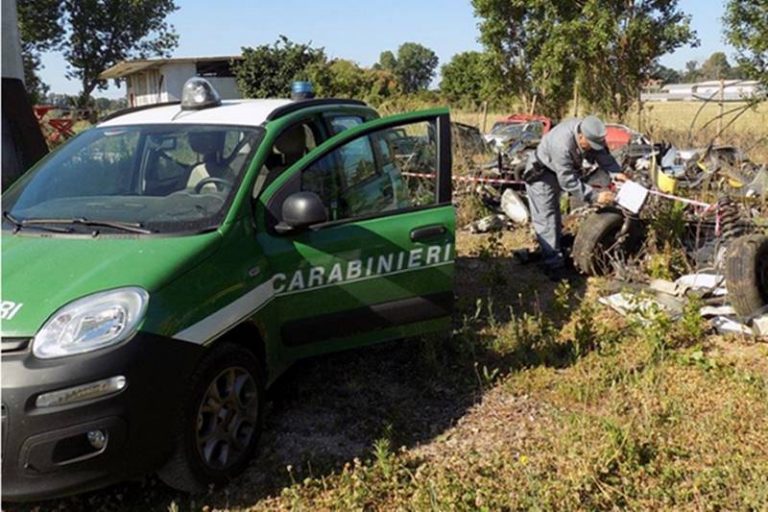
{"points": [[163, 268]]}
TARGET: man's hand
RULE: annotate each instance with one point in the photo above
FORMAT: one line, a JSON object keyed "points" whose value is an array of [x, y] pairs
{"points": [[605, 197], [622, 177]]}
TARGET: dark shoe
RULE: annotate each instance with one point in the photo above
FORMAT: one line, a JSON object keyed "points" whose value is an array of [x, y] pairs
{"points": [[526, 256]]}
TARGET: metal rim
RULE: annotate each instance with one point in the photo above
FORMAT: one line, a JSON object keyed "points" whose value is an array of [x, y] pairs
{"points": [[227, 418]]}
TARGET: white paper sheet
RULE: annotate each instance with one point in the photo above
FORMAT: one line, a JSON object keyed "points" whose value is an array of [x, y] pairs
{"points": [[632, 196]]}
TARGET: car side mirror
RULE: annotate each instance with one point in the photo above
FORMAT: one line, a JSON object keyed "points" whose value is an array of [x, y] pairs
{"points": [[300, 210]]}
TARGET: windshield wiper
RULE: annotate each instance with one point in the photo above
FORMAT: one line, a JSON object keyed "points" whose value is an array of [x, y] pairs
{"points": [[20, 223], [132, 227]]}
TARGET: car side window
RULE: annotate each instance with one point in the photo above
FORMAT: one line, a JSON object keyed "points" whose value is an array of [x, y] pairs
{"points": [[341, 123], [290, 146], [383, 171]]}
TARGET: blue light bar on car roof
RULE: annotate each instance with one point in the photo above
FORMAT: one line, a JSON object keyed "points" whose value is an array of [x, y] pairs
{"points": [[302, 90]]}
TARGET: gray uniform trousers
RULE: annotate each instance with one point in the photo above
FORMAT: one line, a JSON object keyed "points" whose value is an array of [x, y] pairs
{"points": [[544, 200]]}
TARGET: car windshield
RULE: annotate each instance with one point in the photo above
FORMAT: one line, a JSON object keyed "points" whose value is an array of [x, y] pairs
{"points": [[158, 178]]}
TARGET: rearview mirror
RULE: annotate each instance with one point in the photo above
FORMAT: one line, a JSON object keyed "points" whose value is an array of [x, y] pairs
{"points": [[300, 210]]}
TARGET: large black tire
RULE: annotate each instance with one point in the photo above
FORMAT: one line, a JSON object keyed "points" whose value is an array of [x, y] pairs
{"points": [[219, 422], [746, 273], [596, 245]]}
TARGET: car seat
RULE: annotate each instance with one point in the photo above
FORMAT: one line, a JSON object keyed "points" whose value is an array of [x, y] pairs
{"points": [[289, 147]]}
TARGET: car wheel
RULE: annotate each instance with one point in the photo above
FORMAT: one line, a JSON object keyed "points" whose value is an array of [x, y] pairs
{"points": [[598, 243], [746, 273], [220, 421]]}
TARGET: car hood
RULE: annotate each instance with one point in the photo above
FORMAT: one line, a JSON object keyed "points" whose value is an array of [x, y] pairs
{"points": [[42, 274]]}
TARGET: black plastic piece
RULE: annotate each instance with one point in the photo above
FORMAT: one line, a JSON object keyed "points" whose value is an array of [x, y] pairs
{"points": [[40, 458], [13, 344], [427, 232]]}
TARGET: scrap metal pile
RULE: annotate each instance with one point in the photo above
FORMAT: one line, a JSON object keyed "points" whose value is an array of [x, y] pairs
{"points": [[705, 207]]}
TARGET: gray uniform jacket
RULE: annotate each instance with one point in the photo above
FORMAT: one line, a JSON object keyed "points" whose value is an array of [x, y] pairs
{"points": [[559, 151]]}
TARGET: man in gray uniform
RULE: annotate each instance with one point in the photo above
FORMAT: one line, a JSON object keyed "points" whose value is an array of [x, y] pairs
{"points": [[556, 166]]}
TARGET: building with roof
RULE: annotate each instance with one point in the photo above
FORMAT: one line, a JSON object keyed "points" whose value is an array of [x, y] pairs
{"points": [[150, 81], [732, 90]]}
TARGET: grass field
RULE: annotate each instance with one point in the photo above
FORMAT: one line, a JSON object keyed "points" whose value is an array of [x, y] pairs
{"points": [[539, 399]]}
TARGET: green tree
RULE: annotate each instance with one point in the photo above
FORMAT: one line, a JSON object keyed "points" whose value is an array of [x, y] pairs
{"points": [[746, 28], [39, 31], [542, 48], [620, 44], [267, 71], [344, 79], [96, 34], [414, 66], [716, 67], [692, 72], [530, 49], [387, 61], [665, 74], [467, 78]]}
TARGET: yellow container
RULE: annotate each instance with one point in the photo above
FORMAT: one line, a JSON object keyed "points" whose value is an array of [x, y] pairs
{"points": [[664, 182]]}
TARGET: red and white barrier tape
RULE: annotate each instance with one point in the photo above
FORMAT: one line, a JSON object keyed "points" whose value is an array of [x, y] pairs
{"points": [[683, 200], [470, 179], [502, 181]]}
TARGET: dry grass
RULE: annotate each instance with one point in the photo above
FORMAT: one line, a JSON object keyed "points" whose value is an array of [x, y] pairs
{"points": [[538, 400]]}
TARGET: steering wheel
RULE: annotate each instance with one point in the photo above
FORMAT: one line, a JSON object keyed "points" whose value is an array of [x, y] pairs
{"points": [[221, 184]]}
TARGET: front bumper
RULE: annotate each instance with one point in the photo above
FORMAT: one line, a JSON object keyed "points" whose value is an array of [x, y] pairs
{"points": [[46, 451]]}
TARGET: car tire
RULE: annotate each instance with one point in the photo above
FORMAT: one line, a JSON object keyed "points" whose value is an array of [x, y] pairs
{"points": [[746, 273], [219, 422], [596, 245]]}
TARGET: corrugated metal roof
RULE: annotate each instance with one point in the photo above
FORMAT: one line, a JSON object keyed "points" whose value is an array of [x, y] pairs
{"points": [[129, 67]]}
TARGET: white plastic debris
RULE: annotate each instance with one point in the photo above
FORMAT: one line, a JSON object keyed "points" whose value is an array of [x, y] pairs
{"points": [[760, 325], [515, 208], [701, 281], [725, 325], [488, 224], [709, 311], [626, 303], [663, 286]]}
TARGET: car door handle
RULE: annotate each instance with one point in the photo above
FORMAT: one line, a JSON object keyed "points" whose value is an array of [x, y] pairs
{"points": [[426, 232]]}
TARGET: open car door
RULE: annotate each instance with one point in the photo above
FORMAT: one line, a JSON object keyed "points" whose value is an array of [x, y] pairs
{"points": [[376, 260]]}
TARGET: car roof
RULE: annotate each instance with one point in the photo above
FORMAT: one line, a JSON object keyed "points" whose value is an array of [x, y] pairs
{"points": [[230, 112]]}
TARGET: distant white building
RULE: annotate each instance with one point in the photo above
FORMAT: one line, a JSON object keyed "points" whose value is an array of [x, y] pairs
{"points": [[151, 81], [733, 90]]}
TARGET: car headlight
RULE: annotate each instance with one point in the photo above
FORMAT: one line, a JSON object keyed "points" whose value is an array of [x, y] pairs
{"points": [[93, 322]]}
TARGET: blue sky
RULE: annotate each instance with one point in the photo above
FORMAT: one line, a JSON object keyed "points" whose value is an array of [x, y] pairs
{"points": [[354, 29]]}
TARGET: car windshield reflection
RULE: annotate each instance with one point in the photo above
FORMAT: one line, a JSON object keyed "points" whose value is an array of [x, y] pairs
{"points": [[160, 178]]}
